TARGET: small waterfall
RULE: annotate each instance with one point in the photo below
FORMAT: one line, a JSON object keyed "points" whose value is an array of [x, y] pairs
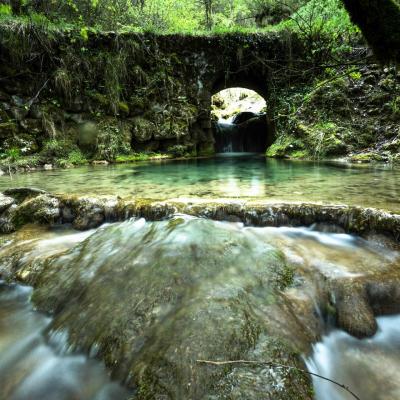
{"points": [[243, 132], [369, 367], [38, 367], [144, 279], [227, 138]]}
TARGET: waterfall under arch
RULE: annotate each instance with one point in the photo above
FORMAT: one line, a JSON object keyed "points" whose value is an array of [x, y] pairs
{"points": [[240, 121]]}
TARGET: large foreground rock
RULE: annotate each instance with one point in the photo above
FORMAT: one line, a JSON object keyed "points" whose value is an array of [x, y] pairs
{"points": [[153, 298]]}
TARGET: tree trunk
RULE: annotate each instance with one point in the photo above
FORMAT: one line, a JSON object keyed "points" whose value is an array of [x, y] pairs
{"points": [[16, 7], [379, 21]]}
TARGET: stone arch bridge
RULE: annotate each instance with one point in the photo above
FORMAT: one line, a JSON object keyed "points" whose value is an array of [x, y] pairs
{"points": [[263, 63], [153, 90]]}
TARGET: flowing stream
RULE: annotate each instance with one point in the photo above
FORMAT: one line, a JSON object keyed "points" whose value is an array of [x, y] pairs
{"points": [[371, 367], [154, 296], [35, 368]]}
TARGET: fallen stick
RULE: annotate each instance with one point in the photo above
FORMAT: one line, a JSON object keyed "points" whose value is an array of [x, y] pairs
{"points": [[219, 363]]}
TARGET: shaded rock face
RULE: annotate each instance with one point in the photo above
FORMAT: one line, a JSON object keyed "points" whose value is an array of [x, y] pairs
{"points": [[379, 22], [247, 132], [243, 117]]}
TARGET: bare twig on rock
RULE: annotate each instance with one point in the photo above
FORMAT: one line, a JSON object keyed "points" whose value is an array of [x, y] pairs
{"points": [[219, 363]]}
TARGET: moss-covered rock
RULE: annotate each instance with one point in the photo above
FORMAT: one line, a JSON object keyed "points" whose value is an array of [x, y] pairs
{"points": [[22, 193], [5, 202], [328, 140], [181, 150], [113, 138], [367, 157], [143, 129], [8, 129], [287, 146], [151, 315], [205, 149], [42, 209], [340, 116], [123, 108]]}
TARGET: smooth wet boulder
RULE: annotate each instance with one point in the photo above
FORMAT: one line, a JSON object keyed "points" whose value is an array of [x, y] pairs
{"points": [[354, 313], [357, 300], [89, 212], [153, 298], [384, 295]]}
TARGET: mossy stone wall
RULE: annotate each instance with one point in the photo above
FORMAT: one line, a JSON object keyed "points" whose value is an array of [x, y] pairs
{"points": [[112, 94]]}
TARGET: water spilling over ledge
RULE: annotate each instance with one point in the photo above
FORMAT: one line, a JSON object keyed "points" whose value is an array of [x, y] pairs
{"points": [[33, 367], [247, 274], [20, 206], [150, 298], [246, 280]]}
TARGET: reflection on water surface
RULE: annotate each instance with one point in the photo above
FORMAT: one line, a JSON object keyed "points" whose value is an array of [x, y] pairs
{"points": [[227, 176]]}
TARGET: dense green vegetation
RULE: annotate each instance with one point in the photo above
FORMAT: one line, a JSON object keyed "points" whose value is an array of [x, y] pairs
{"points": [[119, 81], [310, 17], [318, 105]]}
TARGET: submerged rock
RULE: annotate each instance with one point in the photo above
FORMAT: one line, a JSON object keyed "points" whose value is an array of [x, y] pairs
{"points": [[21, 193]]}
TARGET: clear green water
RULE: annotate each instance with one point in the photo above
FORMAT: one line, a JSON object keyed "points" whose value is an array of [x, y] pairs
{"points": [[230, 176]]}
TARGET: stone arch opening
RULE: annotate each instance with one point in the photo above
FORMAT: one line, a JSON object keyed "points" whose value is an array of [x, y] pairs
{"points": [[240, 120]]}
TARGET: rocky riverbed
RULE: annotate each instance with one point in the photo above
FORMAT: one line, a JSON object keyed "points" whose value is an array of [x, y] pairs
{"points": [[153, 295]]}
